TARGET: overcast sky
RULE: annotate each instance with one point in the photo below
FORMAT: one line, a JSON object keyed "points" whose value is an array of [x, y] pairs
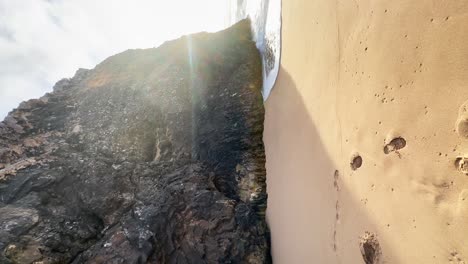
{"points": [[42, 41]]}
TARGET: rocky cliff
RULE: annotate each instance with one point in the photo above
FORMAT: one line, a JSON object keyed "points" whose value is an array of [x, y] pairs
{"points": [[154, 156]]}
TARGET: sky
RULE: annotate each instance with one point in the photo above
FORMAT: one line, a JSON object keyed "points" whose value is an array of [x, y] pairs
{"points": [[43, 41]]}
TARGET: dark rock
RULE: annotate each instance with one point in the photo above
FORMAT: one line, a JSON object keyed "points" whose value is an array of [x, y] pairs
{"points": [[154, 156]]}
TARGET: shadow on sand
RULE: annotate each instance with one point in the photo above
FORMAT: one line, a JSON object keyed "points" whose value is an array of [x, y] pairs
{"points": [[313, 216]]}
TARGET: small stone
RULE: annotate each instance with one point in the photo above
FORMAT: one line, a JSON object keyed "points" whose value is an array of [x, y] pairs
{"points": [[76, 129]]}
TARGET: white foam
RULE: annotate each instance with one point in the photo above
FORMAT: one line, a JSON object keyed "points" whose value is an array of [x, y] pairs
{"points": [[266, 28]]}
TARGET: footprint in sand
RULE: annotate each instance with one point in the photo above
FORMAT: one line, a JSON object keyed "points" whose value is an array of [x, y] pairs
{"points": [[336, 177], [356, 161], [395, 145], [461, 163], [455, 258], [370, 248], [461, 125], [431, 190]]}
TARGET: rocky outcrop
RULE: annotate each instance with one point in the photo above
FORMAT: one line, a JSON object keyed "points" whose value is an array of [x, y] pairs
{"points": [[154, 156]]}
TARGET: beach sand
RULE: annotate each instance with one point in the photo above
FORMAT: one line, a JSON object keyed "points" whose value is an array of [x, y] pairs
{"points": [[366, 133]]}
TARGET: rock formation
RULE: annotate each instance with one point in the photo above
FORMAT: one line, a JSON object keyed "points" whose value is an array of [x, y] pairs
{"points": [[154, 156]]}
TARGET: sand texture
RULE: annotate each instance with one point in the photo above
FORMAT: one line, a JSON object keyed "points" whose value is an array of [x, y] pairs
{"points": [[366, 133]]}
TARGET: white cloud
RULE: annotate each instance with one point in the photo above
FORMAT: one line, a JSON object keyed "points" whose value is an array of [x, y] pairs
{"points": [[42, 41]]}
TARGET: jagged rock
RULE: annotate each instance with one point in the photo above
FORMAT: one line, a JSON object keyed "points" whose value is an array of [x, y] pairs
{"points": [[154, 156]]}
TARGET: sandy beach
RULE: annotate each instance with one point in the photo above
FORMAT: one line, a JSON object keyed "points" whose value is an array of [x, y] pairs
{"points": [[366, 133]]}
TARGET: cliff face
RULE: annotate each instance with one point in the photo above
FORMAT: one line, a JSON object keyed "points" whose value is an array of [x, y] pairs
{"points": [[154, 156]]}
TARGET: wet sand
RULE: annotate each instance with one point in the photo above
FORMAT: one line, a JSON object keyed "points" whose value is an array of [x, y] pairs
{"points": [[366, 133]]}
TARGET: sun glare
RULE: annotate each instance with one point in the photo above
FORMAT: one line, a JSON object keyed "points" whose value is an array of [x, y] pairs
{"points": [[179, 17], [64, 35]]}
